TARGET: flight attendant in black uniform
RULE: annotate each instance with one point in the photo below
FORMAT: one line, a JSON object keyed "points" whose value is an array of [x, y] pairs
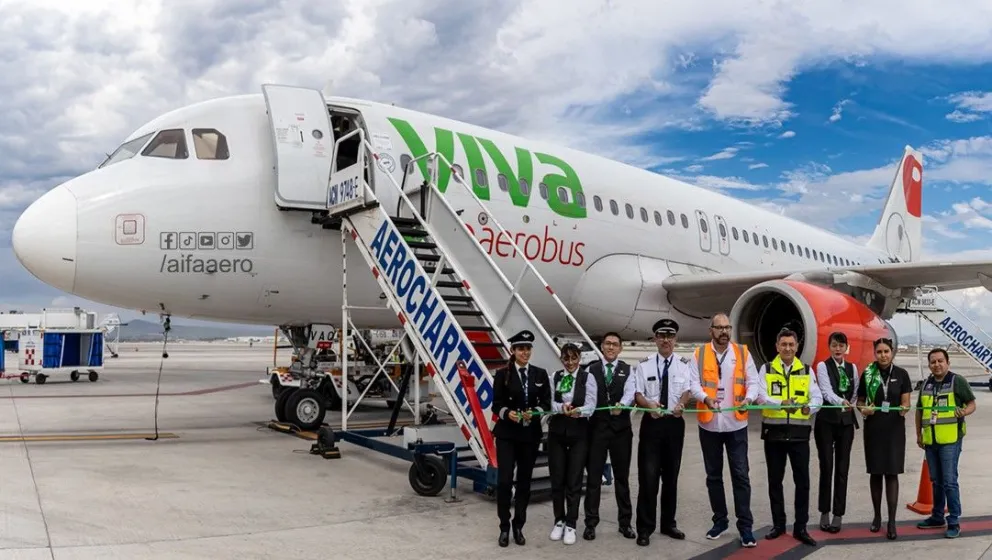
{"points": [[574, 401], [519, 391], [883, 386]]}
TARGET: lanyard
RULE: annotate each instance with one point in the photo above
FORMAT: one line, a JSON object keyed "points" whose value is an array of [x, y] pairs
{"points": [[719, 363]]}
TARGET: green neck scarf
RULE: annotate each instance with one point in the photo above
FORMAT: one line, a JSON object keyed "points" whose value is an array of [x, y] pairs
{"points": [[567, 382], [873, 380]]}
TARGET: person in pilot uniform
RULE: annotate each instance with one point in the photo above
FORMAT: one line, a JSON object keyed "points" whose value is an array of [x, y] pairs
{"points": [[573, 402], [663, 382], [520, 390]]}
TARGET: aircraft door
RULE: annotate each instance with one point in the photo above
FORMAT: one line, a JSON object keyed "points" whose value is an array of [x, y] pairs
{"points": [[723, 235], [303, 142], [705, 239]]}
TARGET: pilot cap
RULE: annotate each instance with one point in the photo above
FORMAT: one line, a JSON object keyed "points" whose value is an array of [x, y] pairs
{"points": [[522, 338], [666, 326]]}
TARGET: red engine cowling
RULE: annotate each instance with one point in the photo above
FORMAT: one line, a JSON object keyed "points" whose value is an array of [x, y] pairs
{"points": [[812, 311]]}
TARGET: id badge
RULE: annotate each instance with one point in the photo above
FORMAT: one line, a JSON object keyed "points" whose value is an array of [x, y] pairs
{"points": [[885, 406], [720, 394], [933, 417]]}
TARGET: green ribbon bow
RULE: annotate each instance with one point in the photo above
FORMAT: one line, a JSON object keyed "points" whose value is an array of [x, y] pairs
{"points": [[566, 383]]}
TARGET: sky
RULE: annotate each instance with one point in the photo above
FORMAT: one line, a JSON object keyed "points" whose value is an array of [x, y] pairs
{"points": [[802, 107]]}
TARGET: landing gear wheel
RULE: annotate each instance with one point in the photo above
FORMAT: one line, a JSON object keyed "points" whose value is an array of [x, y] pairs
{"points": [[74, 376], [94, 376], [428, 475], [281, 402], [25, 378], [305, 408], [40, 378]]}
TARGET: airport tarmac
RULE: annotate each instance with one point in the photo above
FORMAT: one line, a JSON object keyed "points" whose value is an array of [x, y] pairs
{"points": [[222, 487]]}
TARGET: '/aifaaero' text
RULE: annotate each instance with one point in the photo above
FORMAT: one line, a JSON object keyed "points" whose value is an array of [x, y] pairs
{"points": [[188, 264]]}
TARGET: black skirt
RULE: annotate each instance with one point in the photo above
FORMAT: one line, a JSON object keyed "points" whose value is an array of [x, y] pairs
{"points": [[885, 443]]}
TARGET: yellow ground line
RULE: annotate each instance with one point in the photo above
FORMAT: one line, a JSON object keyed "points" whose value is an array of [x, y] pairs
{"points": [[86, 437]]}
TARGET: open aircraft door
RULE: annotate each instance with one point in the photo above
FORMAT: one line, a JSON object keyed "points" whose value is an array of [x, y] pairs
{"points": [[304, 144]]}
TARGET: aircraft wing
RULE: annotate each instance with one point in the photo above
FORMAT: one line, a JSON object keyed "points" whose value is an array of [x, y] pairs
{"points": [[710, 293]]}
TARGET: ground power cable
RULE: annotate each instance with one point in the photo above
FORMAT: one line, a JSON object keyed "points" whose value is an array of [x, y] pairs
{"points": [[166, 327]]}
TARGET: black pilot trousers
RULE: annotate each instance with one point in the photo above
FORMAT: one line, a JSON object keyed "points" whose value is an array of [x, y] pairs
{"points": [[659, 458], [520, 456]]}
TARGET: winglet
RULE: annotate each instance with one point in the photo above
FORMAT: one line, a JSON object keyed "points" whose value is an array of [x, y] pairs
{"points": [[899, 230]]}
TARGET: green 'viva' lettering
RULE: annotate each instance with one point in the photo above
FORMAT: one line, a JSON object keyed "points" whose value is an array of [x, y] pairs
{"points": [[445, 145]]}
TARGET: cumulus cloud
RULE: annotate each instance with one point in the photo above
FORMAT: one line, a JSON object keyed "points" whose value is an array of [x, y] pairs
{"points": [[79, 76]]}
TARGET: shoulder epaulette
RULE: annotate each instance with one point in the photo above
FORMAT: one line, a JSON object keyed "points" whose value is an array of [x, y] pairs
{"points": [[684, 360]]}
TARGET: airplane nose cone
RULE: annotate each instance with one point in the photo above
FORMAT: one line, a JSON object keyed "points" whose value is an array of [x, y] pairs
{"points": [[44, 238]]}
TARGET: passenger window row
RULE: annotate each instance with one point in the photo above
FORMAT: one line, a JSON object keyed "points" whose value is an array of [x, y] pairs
{"points": [[683, 220]]}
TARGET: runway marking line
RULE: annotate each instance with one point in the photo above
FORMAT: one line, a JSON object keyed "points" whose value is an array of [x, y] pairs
{"points": [[788, 548], [85, 437], [197, 392]]}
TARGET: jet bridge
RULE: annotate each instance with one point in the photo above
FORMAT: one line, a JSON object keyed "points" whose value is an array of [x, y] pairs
{"points": [[454, 303]]}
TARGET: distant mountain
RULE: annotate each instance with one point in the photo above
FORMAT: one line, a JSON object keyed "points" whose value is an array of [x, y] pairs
{"points": [[138, 330]]}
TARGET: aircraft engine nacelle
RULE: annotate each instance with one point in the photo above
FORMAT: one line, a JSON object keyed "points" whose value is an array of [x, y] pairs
{"points": [[813, 312]]}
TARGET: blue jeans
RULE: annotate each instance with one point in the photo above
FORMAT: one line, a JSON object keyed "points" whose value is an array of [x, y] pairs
{"points": [[942, 460]]}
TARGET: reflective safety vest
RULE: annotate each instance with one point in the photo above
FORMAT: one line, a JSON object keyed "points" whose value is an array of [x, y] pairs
{"points": [[709, 378], [793, 386], [939, 426]]}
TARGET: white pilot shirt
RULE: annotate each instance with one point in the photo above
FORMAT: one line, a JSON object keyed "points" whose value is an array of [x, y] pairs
{"points": [[588, 407], [648, 378]]}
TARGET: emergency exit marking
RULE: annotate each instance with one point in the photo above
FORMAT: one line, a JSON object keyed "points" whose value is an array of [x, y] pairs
{"points": [[129, 229]]}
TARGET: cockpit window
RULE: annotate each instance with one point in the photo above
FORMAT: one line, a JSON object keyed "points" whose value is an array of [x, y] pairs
{"points": [[209, 143], [169, 144], [127, 150]]}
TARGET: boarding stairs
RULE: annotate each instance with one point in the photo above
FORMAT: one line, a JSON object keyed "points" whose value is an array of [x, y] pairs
{"points": [[960, 330], [455, 304]]}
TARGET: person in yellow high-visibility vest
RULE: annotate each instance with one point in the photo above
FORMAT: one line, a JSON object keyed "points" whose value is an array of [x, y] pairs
{"points": [[940, 433], [786, 431]]}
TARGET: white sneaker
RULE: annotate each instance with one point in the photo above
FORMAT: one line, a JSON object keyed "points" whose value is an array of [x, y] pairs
{"points": [[556, 532], [569, 535]]}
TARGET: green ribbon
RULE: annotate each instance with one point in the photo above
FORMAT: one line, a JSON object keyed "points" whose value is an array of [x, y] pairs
{"points": [[745, 407]]}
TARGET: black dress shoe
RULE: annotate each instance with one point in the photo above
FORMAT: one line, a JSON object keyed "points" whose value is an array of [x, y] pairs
{"points": [[589, 534], [643, 540], [775, 533], [518, 537], [804, 537], [673, 532], [876, 525], [628, 532], [891, 533], [504, 538]]}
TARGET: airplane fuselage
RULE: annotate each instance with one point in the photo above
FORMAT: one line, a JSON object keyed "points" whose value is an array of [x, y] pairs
{"points": [[203, 238]]}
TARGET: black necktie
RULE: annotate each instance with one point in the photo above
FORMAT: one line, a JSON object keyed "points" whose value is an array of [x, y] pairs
{"points": [[523, 380], [664, 383]]}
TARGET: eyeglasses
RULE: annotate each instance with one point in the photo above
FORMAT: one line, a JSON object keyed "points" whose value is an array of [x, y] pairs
{"points": [[721, 327]]}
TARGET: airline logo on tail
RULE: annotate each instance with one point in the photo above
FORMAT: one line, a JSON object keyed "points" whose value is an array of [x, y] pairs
{"points": [[899, 231], [912, 185]]}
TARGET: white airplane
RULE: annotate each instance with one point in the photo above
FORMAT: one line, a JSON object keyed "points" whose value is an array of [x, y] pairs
{"points": [[189, 217]]}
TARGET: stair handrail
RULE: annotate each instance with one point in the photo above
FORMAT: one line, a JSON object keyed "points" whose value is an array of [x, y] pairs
{"points": [[492, 220]]}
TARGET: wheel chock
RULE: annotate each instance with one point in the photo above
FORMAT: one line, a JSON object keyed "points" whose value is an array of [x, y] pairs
{"points": [[325, 446]]}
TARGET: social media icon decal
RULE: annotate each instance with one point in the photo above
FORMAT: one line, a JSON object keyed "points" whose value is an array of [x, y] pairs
{"points": [[207, 240], [225, 240], [168, 240], [244, 240], [187, 240]]}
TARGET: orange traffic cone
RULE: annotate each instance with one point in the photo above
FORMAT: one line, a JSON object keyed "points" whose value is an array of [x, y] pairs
{"points": [[924, 495]]}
